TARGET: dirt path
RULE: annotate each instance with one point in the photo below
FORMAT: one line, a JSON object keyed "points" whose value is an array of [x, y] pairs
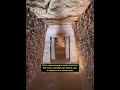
{"points": [[59, 80]]}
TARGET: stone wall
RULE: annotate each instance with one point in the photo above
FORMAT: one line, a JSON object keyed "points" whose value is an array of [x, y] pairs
{"points": [[84, 34], [35, 35]]}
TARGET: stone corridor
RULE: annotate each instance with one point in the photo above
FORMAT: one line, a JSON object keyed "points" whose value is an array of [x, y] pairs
{"points": [[83, 29], [59, 80]]}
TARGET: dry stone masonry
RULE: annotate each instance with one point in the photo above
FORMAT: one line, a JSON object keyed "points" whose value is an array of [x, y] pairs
{"points": [[52, 16], [59, 15], [84, 35], [35, 34]]}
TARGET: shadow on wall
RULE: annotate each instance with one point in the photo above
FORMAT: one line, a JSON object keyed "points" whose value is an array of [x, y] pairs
{"points": [[84, 34]]}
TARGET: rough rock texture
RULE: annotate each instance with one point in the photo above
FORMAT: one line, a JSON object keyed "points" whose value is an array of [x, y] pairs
{"points": [[35, 34], [58, 8], [84, 33]]}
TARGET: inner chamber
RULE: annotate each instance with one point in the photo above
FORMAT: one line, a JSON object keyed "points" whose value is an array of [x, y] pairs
{"points": [[58, 48]]}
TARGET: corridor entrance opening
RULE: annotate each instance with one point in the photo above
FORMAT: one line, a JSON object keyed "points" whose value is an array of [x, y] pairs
{"points": [[66, 47], [60, 48]]}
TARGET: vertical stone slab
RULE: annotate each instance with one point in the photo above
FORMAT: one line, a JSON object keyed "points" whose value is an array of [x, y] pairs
{"points": [[46, 55], [68, 29], [52, 31], [53, 48], [67, 47], [73, 50]]}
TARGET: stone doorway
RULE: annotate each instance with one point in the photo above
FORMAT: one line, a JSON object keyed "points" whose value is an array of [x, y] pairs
{"points": [[65, 42], [60, 48]]}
